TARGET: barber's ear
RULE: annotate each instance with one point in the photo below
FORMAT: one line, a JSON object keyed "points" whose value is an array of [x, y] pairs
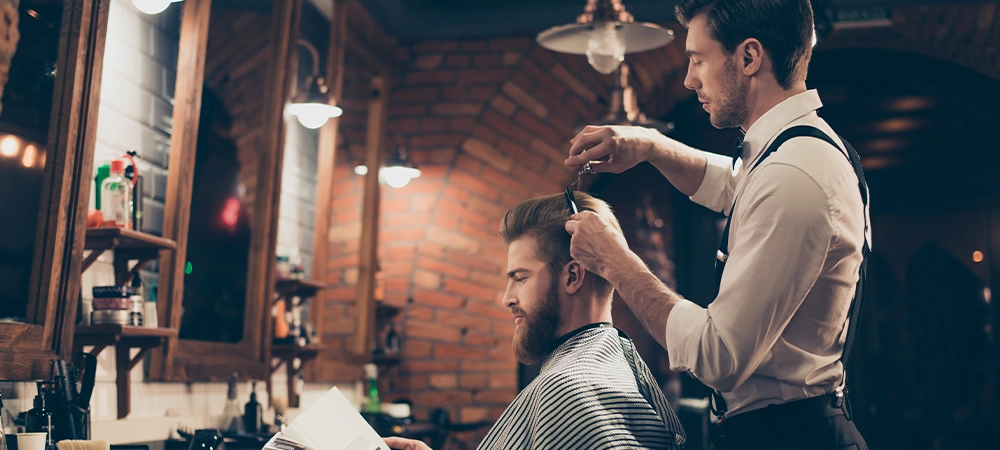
{"points": [[575, 276], [751, 54]]}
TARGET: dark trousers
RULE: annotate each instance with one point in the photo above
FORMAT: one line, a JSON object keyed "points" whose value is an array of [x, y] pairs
{"points": [[818, 423]]}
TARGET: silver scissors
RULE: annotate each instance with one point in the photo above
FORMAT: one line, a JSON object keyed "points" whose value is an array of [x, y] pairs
{"points": [[579, 175]]}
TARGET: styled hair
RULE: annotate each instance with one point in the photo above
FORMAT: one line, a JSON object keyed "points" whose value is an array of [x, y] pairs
{"points": [[544, 219], [783, 27]]}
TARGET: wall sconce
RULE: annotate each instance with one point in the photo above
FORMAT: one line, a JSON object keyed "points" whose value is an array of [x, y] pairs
{"points": [[153, 6], [605, 32], [398, 172], [312, 105]]}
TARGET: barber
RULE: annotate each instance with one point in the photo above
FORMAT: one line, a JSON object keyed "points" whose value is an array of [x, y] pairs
{"points": [[774, 342]]}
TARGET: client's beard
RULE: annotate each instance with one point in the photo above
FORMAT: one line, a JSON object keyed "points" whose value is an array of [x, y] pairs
{"points": [[533, 339]]}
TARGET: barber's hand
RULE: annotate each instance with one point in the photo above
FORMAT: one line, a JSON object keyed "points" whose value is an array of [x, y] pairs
{"points": [[399, 443], [612, 149], [597, 245]]}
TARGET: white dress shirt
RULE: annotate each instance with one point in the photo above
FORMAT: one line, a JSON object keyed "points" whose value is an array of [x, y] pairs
{"points": [[776, 331]]}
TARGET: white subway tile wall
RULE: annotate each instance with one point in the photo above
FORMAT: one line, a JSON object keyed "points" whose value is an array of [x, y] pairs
{"points": [[298, 193]]}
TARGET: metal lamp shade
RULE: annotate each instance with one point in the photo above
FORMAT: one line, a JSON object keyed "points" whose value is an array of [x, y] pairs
{"points": [[573, 38]]}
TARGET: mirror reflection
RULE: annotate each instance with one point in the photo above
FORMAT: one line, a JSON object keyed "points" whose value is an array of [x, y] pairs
{"points": [[230, 146], [29, 48]]}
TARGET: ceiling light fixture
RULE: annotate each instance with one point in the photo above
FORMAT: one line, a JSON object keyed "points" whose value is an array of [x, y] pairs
{"points": [[313, 106], [152, 7], [398, 172], [605, 32]]}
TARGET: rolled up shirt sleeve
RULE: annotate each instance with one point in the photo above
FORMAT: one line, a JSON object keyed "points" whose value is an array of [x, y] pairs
{"points": [[780, 238], [716, 190]]}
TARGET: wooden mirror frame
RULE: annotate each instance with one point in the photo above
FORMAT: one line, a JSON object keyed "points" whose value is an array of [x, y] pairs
{"points": [[27, 348], [190, 360], [351, 27]]}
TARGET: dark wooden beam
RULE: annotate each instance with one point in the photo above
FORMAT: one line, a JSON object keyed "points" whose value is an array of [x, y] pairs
{"points": [[365, 301], [326, 159]]}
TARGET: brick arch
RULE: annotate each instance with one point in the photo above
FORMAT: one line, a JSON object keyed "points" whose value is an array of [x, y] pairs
{"points": [[487, 121], [967, 35]]}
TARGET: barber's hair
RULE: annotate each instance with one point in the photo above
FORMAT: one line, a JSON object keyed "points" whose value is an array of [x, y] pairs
{"points": [[783, 27], [544, 219]]}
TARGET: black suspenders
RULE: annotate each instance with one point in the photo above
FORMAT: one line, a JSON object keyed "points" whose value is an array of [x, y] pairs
{"points": [[719, 408]]}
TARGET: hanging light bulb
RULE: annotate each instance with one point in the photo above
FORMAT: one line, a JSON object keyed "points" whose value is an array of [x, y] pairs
{"points": [[605, 51], [153, 6], [400, 169], [313, 115], [313, 106], [605, 32], [398, 176]]}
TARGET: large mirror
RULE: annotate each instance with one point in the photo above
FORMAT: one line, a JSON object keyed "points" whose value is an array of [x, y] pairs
{"points": [[29, 51], [50, 73], [223, 186]]}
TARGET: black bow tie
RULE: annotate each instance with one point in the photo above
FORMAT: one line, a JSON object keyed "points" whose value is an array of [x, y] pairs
{"points": [[739, 151]]}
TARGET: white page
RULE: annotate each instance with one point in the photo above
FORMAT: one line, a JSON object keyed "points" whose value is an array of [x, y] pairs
{"points": [[333, 424]]}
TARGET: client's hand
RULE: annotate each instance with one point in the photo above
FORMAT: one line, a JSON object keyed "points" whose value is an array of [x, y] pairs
{"points": [[399, 443]]}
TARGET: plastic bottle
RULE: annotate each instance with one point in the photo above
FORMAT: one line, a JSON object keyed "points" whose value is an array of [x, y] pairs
{"points": [[116, 197], [136, 209], [374, 405], [102, 173]]}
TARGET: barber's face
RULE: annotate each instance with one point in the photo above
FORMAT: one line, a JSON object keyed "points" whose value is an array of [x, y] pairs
{"points": [[533, 299], [713, 75]]}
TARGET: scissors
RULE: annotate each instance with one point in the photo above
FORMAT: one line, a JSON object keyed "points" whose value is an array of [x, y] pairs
{"points": [[579, 175], [570, 198]]}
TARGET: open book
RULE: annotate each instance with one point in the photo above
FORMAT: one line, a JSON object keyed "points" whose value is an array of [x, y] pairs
{"points": [[330, 424]]}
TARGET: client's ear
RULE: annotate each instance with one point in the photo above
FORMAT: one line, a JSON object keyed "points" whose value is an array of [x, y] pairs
{"points": [[575, 276]]}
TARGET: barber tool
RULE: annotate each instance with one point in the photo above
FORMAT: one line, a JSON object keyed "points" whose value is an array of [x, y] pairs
{"points": [[65, 390], [579, 175], [571, 201]]}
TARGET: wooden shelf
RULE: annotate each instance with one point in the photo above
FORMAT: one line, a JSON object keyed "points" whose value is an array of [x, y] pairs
{"points": [[122, 238], [301, 287], [124, 338], [294, 351], [127, 245], [286, 355]]}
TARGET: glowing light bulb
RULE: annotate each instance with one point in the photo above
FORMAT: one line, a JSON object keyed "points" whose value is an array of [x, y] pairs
{"points": [[30, 154], [605, 49], [361, 169], [9, 146], [313, 115], [152, 6], [398, 176]]}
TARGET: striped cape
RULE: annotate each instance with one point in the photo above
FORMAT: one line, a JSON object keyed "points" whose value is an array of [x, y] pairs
{"points": [[593, 392]]}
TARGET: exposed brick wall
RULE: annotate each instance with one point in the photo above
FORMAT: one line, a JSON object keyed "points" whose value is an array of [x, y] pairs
{"points": [[488, 123]]}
